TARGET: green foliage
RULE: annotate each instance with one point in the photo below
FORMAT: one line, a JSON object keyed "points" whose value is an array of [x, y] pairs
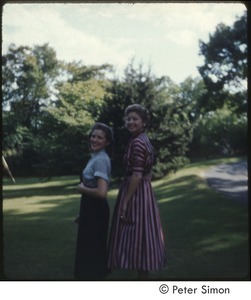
{"points": [[18, 145], [68, 122], [170, 129], [65, 149], [48, 110], [49, 107], [220, 132], [225, 67], [27, 77]]}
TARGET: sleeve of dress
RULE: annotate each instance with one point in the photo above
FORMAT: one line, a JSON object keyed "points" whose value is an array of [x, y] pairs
{"points": [[102, 169], [138, 152]]}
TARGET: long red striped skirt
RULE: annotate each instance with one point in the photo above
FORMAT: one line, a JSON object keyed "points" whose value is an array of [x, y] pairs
{"points": [[138, 244]]}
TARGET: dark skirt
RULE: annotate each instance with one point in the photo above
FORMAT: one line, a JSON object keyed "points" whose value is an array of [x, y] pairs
{"points": [[91, 249]]}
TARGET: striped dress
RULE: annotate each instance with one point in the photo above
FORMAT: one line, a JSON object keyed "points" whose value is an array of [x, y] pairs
{"points": [[138, 244]]}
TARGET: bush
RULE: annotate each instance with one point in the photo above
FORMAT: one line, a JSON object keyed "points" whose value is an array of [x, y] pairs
{"points": [[220, 132]]}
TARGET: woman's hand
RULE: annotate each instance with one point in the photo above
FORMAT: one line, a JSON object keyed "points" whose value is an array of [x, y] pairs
{"points": [[123, 218], [76, 220], [100, 191], [122, 215], [80, 188], [123, 210], [132, 187]]}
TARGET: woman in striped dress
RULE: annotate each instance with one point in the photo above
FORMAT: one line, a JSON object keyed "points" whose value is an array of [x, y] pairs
{"points": [[136, 238]]}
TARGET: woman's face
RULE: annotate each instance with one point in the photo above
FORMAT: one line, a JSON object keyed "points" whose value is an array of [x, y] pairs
{"points": [[98, 140], [134, 123]]}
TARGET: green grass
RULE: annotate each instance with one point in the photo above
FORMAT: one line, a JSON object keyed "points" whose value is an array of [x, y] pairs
{"points": [[206, 233]]}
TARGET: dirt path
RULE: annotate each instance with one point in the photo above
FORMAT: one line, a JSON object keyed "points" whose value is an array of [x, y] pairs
{"points": [[230, 179]]}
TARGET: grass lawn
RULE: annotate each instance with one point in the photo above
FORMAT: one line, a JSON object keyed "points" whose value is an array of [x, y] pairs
{"points": [[206, 233]]}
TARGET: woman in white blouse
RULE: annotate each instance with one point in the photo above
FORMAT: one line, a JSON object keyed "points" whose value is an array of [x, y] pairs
{"points": [[93, 220]]}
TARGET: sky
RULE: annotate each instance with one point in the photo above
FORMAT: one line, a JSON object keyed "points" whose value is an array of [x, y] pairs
{"points": [[162, 36]]}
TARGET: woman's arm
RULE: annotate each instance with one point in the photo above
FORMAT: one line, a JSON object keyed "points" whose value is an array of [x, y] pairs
{"points": [[100, 191], [132, 187], [137, 158]]}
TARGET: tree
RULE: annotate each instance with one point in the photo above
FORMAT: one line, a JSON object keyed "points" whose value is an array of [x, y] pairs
{"points": [[190, 93], [27, 84], [170, 129], [48, 108], [28, 75], [225, 68], [218, 133], [68, 121]]}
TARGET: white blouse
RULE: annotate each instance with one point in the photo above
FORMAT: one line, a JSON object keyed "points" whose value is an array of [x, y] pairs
{"points": [[99, 165]]}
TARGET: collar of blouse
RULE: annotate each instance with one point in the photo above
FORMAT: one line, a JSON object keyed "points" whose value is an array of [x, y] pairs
{"points": [[97, 152]]}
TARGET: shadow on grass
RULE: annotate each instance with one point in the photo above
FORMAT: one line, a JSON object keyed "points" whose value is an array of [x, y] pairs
{"points": [[39, 232], [40, 189], [206, 233]]}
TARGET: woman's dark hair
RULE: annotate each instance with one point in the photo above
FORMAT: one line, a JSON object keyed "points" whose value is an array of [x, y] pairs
{"points": [[108, 134], [140, 110]]}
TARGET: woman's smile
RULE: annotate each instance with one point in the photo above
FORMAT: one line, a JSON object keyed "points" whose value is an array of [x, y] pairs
{"points": [[134, 123], [98, 140]]}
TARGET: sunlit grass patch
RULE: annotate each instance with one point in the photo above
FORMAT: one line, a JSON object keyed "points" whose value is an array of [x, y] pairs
{"points": [[206, 233]]}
